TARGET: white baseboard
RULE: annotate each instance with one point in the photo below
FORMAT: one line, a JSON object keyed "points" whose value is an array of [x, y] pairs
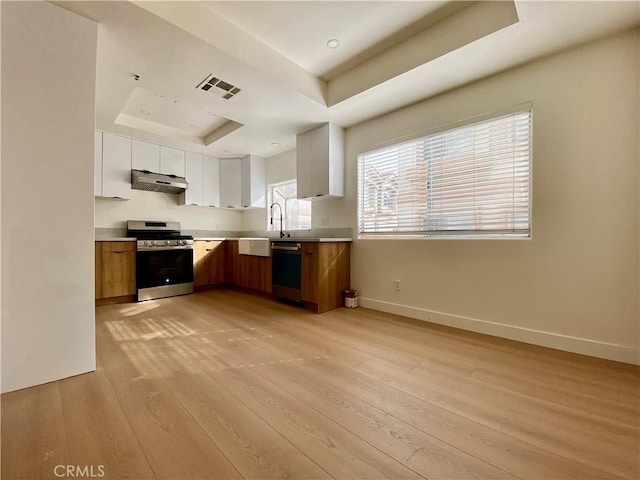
{"points": [[610, 351]]}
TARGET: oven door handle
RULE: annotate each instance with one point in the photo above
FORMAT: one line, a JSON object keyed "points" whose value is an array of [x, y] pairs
{"points": [[283, 248], [164, 249]]}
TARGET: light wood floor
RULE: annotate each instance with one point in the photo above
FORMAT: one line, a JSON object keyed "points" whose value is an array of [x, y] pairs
{"points": [[227, 385]]}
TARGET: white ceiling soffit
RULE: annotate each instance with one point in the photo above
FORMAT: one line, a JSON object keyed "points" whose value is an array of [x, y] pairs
{"points": [[279, 98], [205, 24], [403, 38], [447, 35], [299, 30], [544, 29], [171, 64], [189, 122]]}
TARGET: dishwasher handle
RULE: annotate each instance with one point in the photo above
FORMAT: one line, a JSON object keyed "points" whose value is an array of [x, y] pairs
{"points": [[286, 248]]}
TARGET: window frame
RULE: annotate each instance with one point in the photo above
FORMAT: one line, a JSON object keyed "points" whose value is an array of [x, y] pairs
{"points": [[452, 234]]}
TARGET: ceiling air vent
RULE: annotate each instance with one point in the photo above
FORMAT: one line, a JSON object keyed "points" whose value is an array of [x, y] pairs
{"points": [[219, 87]]}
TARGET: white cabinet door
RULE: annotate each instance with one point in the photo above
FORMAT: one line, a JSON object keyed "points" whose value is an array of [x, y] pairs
{"points": [[194, 175], [254, 189], [171, 161], [320, 162], [145, 156], [97, 166], [304, 161], [211, 182], [230, 182], [116, 166], [336, 161]]}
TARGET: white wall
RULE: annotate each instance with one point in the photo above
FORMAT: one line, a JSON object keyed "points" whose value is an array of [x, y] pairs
{"points": [[1, 310], [48, 109], [575, 284], [112, 213]]}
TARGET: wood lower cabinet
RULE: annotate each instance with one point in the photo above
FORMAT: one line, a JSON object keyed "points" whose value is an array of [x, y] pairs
{"points": [[325, 270], [98, 273], [254, 272], [231, 262], [115, 269], [310, 275], [248, 271], [325, 274], [208, 262]]}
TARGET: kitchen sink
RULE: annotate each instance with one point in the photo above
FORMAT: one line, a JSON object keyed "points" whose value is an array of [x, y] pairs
{"points": [[260, 247]]}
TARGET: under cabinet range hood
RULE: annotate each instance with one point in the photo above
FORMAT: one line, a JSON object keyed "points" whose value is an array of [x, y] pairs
{"points": [[157, 182]]}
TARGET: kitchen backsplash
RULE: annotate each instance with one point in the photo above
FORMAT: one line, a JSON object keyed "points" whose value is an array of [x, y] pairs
{"points": [[313, 233], [107, 233]]}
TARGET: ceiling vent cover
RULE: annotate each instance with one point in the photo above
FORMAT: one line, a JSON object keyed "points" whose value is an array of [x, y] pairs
{"points": [[218, 87]]}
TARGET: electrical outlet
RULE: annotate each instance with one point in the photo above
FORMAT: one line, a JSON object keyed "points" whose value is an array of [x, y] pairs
{"points": [[217, 226], [396, 285]]}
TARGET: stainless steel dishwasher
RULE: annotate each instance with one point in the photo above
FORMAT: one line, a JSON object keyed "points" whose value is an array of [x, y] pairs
{"points": [[286, 271]]}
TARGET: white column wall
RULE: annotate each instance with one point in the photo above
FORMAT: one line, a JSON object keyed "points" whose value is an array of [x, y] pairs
{"points": [[48, 121]]}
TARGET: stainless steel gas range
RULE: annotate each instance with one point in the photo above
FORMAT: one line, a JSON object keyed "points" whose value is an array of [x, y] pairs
{"points": [[164, 259]]}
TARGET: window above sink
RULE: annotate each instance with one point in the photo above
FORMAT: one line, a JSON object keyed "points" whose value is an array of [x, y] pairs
{"points": [[296, 214]]}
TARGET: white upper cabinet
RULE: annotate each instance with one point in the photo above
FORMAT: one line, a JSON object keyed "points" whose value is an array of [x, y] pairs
{"points": [[304, 152], [320, 162], [230, 182], [203, 174], [97, 166], [194, 195], [211, 182], [254, 188], [116, 166], [145, 156], [172, 161]]}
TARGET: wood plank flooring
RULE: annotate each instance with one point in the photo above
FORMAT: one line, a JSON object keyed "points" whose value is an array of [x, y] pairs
{"points": [[226, 385]]}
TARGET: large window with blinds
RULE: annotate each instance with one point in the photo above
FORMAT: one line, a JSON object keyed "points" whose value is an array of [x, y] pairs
{"points": [[470, 181]]}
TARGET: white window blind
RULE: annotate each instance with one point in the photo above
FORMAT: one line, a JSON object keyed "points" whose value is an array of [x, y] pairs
{"points": [[473, 180]]}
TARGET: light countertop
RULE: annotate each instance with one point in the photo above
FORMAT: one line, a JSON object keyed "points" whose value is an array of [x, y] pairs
{"points": [[216, 239], [322, 239], [115, 239], [291, 239]]}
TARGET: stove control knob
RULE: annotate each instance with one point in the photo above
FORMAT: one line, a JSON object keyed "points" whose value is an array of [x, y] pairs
{"points": [[167, 242], [146, 242], [183, 242]]}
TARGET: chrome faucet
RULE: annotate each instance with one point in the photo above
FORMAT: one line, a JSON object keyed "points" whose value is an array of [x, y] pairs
{"points": [[280, 207]]}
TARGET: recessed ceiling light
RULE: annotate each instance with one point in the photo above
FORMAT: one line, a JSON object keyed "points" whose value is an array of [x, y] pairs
{"points": [[333, 43], [159, 94], [275, 145], [195, 127], [145, 112]]}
